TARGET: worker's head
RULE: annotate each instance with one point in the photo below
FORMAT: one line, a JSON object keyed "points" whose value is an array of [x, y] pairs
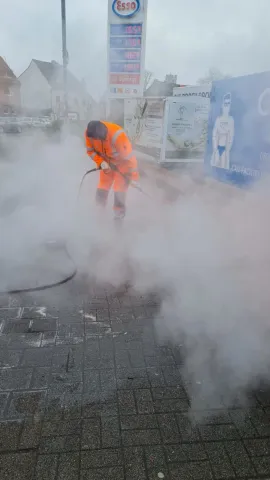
{"points": [[97, 130]]}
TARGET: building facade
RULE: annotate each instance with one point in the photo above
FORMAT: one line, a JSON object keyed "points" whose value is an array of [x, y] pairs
{"points": [[10, 101], [42, 91]]}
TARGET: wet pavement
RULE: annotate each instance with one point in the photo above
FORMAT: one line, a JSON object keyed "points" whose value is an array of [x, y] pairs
{"points": [[87, 392]]}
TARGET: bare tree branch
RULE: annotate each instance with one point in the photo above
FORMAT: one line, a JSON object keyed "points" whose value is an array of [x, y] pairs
{"points": [[148, 79], [212, 75]]}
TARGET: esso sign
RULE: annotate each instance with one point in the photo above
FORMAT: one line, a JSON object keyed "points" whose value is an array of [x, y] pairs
{"points": [[125, 9]]}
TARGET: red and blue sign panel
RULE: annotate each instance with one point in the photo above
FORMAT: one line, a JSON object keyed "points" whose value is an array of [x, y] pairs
{"points": [[125, 9], [117, 29], [125, 53], [123, 42]]}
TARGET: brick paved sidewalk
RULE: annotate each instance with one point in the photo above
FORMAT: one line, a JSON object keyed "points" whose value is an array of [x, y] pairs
{"points": [[86, 392]]}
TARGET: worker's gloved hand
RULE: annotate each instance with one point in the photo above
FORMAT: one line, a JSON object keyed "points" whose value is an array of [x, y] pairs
{"points": [[135, 184], [105, 167]]}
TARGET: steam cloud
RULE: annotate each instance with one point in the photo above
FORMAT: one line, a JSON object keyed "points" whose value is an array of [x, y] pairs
{"points": [[208, 253]]}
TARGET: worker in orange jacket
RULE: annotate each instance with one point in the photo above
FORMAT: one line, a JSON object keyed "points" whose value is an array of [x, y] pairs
{"points": [[110, 148]]}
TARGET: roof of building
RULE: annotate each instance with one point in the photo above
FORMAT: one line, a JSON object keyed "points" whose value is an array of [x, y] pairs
{"points": [[53, 72], [5, 70], [160, 89]]}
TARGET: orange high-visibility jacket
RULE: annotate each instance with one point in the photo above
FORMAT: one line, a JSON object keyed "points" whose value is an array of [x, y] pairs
{"points": [[115, 149]]}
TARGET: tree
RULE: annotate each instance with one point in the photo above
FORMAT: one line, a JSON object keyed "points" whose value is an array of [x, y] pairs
{"points": [[148, 79], [212, 75]]}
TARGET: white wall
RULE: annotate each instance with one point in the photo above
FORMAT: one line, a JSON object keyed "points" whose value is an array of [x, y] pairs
{"points": [[35, 90]]}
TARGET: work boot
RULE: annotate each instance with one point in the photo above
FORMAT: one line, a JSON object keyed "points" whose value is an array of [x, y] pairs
{"points": [[118, 218]]}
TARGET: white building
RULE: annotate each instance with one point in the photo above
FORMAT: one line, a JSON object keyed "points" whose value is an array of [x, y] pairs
{"points": [[42, 91]]}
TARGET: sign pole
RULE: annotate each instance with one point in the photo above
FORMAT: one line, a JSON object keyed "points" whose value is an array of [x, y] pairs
{"points": [[65, 57]]}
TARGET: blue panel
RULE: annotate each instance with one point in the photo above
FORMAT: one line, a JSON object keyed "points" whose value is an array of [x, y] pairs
{"points": [[238, 142]]}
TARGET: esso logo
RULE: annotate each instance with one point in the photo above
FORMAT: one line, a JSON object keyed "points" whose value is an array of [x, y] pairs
{"points": [[125, 9]]}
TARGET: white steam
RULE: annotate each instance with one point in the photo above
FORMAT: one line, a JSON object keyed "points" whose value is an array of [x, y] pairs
{"points": [[208, 253]]}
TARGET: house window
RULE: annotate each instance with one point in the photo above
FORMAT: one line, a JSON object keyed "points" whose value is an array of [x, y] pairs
{"points": [[7, 92]]}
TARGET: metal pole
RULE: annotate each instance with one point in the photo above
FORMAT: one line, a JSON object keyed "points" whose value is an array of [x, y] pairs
{"points": [[65, 56]]}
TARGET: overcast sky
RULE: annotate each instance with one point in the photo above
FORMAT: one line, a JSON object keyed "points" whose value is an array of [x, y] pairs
{"points": [[183, 37]]}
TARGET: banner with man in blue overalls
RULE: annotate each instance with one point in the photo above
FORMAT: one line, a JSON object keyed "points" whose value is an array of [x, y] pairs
{"points": [[238, 140]]}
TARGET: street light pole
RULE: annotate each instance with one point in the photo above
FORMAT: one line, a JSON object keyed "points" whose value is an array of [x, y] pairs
{"points": [[65, 56]]}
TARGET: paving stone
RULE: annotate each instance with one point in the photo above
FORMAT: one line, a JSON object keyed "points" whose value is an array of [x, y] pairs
{"points": [[141, 437], [26, 404], [61, 428], [46, 467], [168, 428], [156, 462], [134, 464], [91, 380], [156, 377], [168, 392], [192, 471], [16, 326], [258, 447], [9, 358], [131, 378], [136, 358], [220, 461], [110, 432], [70, 382], [239, 458], [144, 401], [101, 458], [15, 379], [139, 422], [261, 421], [114, 473], [243, 424], [188, 452], [171, 405], [262, 465], [67, 443], [91, 434], [29, 340], [68, 466], [126, 402], [188, 431], [9, 435], [30, 436], [3, 403], [40, 378], [17, 466], [34, 357], [219, 432], [8, 313], [172, 376], [48, 339], [108, 379]]}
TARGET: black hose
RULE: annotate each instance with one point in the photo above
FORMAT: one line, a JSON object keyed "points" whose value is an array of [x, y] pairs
{"points": [[48, 285], [74, 271]]}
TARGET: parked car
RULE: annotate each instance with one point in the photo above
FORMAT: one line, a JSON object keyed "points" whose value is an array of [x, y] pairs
{"points": [[10, 125]]}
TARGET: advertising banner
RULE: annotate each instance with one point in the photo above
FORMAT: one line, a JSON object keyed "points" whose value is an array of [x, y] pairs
{"points": [[186, 120], [238, 145], [144, 121], [126, 48]]}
